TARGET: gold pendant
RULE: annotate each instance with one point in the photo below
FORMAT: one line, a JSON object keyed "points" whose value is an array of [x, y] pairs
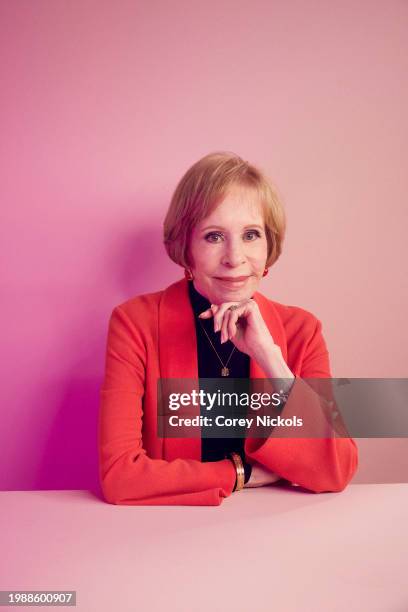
{"points": [[225, 372]]}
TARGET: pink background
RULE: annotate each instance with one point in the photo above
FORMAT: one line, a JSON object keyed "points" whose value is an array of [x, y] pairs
{"points": [[104, 107]]}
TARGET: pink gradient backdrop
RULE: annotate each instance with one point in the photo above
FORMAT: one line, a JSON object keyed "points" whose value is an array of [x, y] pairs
{"points": [[105, 105]]}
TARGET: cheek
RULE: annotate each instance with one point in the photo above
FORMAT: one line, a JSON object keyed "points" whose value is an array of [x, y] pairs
{"points": [[259, 253], [207, 250], [208, 259], [195, 250], [204, 256]]}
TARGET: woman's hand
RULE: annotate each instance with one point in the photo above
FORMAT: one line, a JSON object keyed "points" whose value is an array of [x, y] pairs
{"points": [[244, 326], [261, 477]]}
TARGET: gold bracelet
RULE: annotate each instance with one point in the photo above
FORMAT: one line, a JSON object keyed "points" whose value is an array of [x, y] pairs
{"points": [[239, 466]]}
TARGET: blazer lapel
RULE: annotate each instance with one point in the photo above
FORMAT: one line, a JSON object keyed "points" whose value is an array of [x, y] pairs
{"points": [[178, 352], [178, 357]]}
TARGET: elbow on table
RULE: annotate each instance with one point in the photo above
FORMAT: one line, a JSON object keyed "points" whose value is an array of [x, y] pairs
{"points": [[110, 496], [114, 495], [337, 479], [332, 486], [110, 492], [118, 480]]}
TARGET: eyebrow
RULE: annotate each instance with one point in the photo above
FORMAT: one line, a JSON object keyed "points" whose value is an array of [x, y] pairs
{"points": [[218, 227]]}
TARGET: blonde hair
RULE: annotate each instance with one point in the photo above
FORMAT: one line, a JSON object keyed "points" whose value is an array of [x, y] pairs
{"points": [[204, 186]]}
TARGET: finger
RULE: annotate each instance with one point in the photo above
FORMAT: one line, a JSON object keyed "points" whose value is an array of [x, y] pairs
{"points": [[243, 312], [206, 314], [224, 326], [232, 323], [213, 309], [219, 315]]}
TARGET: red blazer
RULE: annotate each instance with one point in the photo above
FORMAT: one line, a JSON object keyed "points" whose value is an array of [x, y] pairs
{"points": [[152, 336]]}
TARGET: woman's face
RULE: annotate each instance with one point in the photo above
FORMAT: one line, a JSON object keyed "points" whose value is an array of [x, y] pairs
{"points": [[229, 248]]}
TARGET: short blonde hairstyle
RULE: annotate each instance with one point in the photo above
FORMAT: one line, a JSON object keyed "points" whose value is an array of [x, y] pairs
{"points": [[203, 187]]}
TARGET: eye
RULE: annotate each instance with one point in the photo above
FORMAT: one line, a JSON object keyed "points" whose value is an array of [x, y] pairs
{"points": [[252, 235], [213, 237]]}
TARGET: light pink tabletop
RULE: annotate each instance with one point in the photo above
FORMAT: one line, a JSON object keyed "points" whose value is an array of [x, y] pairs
{"points": [[266, 549]]}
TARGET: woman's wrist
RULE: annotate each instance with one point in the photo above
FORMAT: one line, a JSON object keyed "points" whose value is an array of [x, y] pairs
{"points": [[239, 467], [247, 467], [273, 364]]}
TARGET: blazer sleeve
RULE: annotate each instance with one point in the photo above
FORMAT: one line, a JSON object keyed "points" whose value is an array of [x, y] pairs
{"points": [[128, 476], [319, 464]]}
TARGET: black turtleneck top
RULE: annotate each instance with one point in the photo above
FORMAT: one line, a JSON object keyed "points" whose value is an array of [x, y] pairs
{"points": [[216, 449]]}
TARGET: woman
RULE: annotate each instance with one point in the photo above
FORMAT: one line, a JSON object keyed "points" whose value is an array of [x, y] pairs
{"points": [[225, 226]]}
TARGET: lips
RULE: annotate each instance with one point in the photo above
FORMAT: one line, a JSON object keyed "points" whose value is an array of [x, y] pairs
{"points": [[232, 279]]}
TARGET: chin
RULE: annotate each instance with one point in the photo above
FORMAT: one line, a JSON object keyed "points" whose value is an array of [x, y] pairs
{"points": [[217, 294], [237, 295]]}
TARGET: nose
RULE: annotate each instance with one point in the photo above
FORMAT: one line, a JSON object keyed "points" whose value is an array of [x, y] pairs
{"points": [[234, 254]]}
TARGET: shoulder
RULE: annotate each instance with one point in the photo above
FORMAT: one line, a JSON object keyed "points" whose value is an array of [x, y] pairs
{"points": [[139, 312], [296, 321], [144, 302], [294, 316], [306, 347]]}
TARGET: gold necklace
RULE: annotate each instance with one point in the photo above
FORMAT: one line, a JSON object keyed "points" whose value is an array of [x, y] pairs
{"points": [[224, 370]]}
